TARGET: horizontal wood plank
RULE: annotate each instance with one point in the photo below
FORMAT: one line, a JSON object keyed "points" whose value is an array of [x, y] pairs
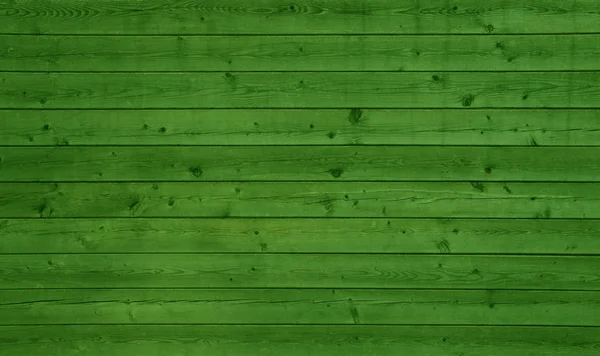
{"points": [[335, 340], [301, 127], [299, 306], [299, 90], [299, 53], [307, 16], [540, 236], [299, 163], [299, 271], [297, 199]]}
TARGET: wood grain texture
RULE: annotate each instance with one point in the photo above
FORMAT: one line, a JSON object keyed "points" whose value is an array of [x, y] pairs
{"points": [[299, 271], [298, 306], [299, 90], [301, 127], [303, 17], [231, 235], [203, 199], [299, 53], [299, 163], [292, 340]]}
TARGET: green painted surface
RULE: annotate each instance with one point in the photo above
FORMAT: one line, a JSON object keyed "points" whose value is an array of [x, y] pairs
{"points": [[485, 127], [324, 177], [26, 90]]}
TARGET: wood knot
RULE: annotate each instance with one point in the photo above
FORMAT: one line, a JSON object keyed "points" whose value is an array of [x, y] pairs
{"points": [[162, 130], [196, 171], [478, 186], [488, 170], [336, 172], [489, 28], [331, 135], [356, 116], [467, 100]]}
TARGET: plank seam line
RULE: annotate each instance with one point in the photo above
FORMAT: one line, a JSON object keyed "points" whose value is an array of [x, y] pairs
{"points": [[299, 71], [253, 108], [215, 253], [333, 109], [296, 218], [332, 181], [283, 34], [337, 289], [303, 288], [154, 217], [60, 147], [363, 325]]}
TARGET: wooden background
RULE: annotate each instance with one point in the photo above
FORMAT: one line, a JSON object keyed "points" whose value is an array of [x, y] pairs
{"points": [[331, 177]]}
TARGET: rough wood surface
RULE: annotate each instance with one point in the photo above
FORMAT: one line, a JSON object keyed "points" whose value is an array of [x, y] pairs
{"points": [[290, 235], [300, 17], [302, 199], [335, 340], [299, 271], [300, 53], [487, 127], [22, 90], [298, 306], [298, 163], [322, 177]]}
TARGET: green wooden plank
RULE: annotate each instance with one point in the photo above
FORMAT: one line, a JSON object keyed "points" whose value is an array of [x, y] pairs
{"points": [[299, 163], [308, 16], [299, 271], [299, 90], [295, 53], [542, 236], [203, 199], [303, 127], [299, 306], [337, 340]]}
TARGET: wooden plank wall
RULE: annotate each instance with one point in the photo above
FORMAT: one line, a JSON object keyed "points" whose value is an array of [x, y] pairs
{"points": [[325, 177]]}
